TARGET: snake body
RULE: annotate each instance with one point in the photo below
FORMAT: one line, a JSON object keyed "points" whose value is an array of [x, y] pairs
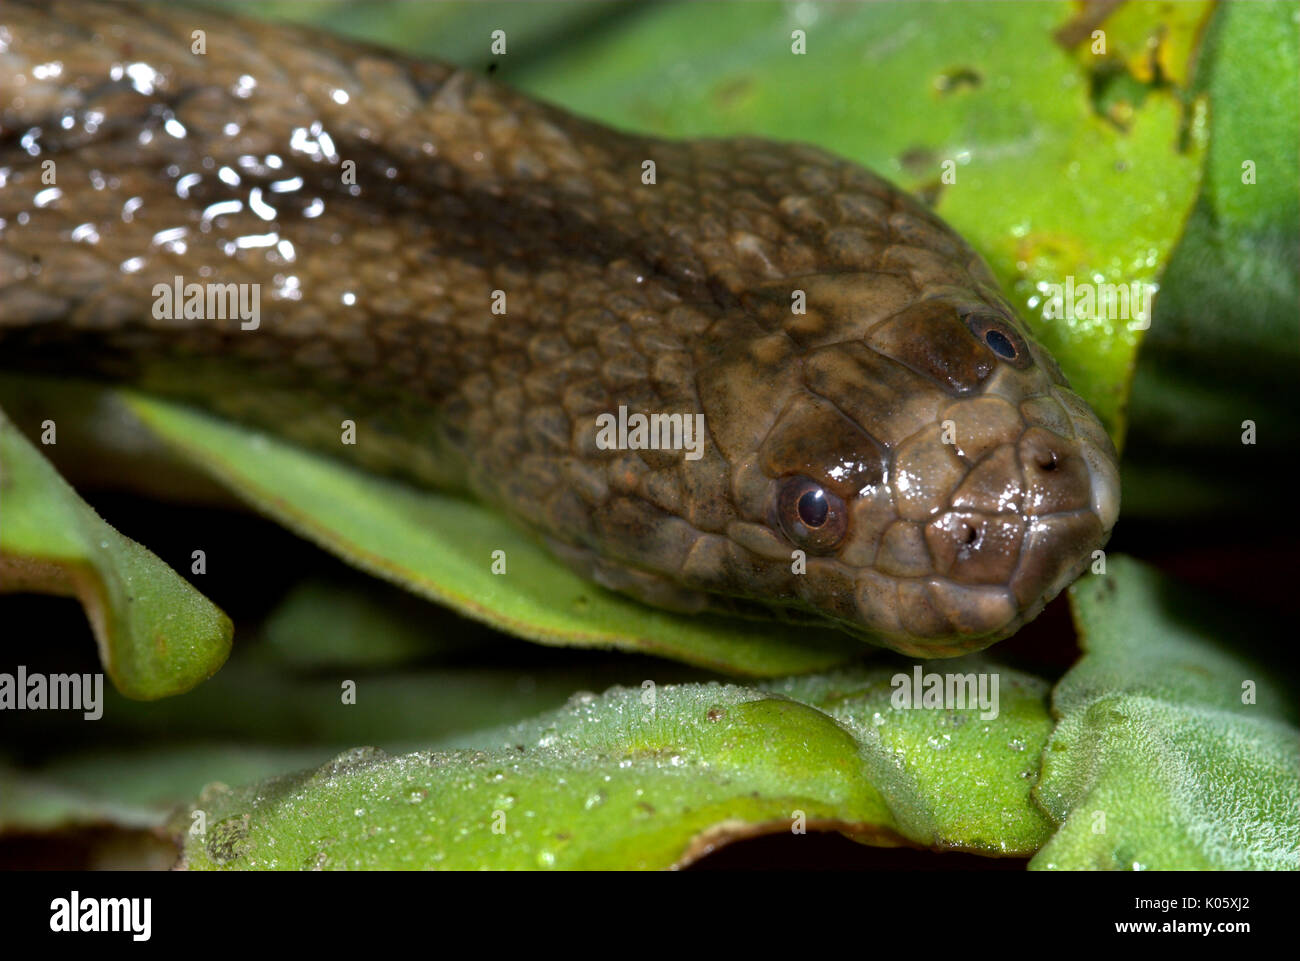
{"points": [[474, 278]]}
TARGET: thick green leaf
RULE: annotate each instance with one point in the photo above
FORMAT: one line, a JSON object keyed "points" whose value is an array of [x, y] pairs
{"points": [[952, 779], [157, 635], [418, 676], [442, 548], [398, 710], [1172, 750], [653, 777]]}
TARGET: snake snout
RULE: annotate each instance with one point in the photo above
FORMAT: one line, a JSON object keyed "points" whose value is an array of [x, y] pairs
{"points": [[1038, 496], [1071, 499]]}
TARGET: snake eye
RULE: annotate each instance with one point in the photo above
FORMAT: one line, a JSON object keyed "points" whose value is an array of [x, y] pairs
{"points": [[810, 515], [1000, 337], [1000, 344]]}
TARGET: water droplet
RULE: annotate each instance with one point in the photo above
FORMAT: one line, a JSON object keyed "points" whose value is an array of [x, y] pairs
{"points": [[228, 839]]}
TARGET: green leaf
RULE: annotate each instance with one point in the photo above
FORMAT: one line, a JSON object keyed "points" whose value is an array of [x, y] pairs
{"points": [[143, 758], [1172, 750], [356, 623], [656, 777], [398, 710], [129, 789], [157, 636], [441, 547], [1223, 347], [952, 778]]}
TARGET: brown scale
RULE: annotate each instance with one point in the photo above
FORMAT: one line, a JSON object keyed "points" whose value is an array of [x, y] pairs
{"points": [[903, 437]]}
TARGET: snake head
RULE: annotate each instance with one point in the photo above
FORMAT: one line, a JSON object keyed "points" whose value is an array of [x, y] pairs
{"points": [[940, 478]]}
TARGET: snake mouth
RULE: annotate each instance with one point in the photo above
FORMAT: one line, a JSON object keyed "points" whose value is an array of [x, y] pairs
{"points": [[934, 616]]}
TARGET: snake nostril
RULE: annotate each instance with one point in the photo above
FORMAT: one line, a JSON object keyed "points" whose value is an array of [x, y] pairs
{"points": [[970, 535], [1048, 461]]}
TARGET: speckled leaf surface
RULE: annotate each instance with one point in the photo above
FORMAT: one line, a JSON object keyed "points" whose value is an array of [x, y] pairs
{"points": [[156, 634], [419, 676], [655, 777], [952, 778], [1172, 750]]}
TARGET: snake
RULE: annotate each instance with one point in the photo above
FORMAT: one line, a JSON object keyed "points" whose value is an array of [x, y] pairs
{"points": [[483, 283]]}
